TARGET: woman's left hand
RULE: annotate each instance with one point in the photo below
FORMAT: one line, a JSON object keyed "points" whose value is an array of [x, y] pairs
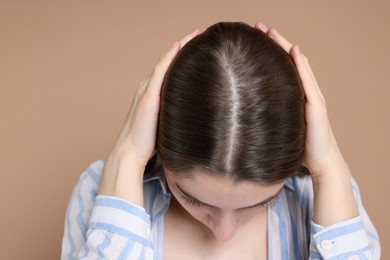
{"points": [[322, 153], [333, 196]]}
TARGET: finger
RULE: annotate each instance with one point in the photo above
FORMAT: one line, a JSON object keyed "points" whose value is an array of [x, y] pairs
{"points": [[309, 83], [144, 82], [189, 37], [309, 69], [161, 68], [143, 86], [261, 27], [306, 61], [138, 94], [278, 38]]}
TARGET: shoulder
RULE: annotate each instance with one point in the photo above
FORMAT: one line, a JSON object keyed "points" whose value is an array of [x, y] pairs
{"points": [[296, 199], [89, 180], [93, 172], [290, 217], [300, 188]]}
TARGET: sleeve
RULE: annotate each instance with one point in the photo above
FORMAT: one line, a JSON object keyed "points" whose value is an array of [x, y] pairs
{"points": [[104, 227], [355, 238]]}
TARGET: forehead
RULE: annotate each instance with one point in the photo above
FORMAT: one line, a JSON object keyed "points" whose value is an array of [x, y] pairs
{"points": [[222, 192]]}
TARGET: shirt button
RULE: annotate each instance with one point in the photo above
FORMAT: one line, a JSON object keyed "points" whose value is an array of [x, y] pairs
{"points": [[326, 244]]}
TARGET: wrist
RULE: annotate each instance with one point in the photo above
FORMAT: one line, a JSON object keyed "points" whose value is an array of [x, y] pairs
{"points": [[333, 195]]}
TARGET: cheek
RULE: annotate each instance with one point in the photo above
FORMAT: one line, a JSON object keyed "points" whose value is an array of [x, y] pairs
{"points": [[248, 214]]}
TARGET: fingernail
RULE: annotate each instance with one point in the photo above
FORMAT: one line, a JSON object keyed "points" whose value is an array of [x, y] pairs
{"points": [[275, 32], [262, 27]]}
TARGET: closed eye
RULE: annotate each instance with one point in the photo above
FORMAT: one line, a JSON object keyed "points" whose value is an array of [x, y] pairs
{"points": [[264, 205], [191, 201], [196, 203]]}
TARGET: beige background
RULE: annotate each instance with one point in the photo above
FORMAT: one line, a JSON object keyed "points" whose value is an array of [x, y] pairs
{"points": [[68, 70]]}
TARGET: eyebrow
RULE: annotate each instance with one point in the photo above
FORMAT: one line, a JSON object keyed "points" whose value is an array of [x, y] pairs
{"points": [[255, 205]]}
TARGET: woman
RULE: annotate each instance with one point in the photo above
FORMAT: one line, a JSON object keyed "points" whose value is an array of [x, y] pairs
{"points": [[237, 112]]}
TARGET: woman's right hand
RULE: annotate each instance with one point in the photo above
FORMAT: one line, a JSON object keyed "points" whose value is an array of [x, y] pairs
{"points": [[123, 171]]}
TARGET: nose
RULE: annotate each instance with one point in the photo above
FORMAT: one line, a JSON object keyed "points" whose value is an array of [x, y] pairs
{"points": [[224, 226]]}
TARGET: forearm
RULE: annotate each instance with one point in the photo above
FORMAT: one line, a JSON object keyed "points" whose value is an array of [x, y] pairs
{"points": [[334, 200], [123, 178]]}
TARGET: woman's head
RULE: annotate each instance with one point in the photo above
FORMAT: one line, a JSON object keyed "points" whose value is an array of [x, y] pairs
{"points": [[232, 105]]}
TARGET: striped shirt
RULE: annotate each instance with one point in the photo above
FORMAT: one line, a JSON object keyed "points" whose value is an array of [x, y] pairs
{"points": [[106, 227]]}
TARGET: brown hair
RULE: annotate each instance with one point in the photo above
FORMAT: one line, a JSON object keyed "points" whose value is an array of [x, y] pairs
{"points": [[232, 104]]}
